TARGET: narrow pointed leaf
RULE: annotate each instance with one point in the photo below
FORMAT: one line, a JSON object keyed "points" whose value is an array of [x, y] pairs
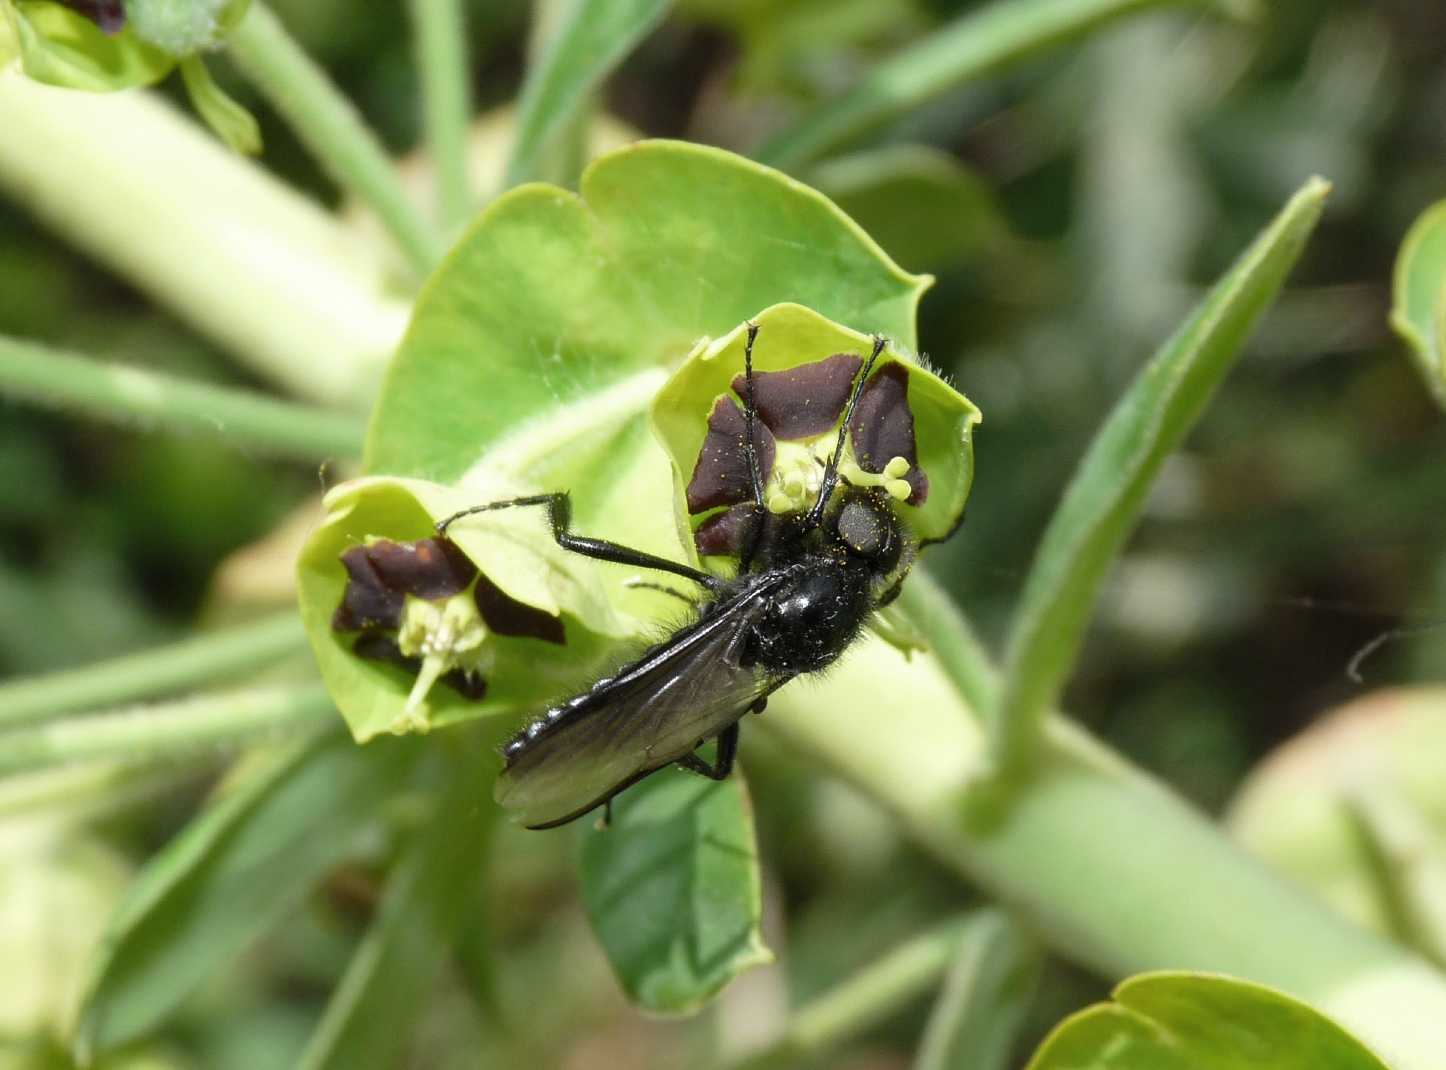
{"points": [[1103, 501], [239, 866], [1191, 1021], [974, 44], [592, 40], [672, 889]]}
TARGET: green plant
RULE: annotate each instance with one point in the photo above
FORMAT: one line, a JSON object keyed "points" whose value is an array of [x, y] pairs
{"points": [[555, 342]]}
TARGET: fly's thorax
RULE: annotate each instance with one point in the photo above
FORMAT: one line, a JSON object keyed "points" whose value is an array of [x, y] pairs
{"points": [[812, 615]]}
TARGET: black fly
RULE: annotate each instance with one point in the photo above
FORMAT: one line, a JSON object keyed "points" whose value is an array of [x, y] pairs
{"points": [[806, 582]]}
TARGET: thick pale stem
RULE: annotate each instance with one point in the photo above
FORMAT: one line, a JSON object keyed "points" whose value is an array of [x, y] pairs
{"points": [[331, 128], [153, 400], [171, 730], [189, 663], [208, 234]]}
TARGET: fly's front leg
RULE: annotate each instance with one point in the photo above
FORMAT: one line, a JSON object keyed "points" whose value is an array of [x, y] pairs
{"points": [[559, 515], [722, 761]]}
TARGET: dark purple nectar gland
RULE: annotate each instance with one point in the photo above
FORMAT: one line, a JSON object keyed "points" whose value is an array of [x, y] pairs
{"points": [[798, 413], [424, 607]]}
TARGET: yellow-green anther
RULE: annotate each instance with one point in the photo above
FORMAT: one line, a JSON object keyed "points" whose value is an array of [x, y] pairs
{"points": [[891, 478], [446, 635]]}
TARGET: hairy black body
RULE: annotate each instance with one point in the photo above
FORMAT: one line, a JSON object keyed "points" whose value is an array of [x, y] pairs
{"points": [[805, 586]]}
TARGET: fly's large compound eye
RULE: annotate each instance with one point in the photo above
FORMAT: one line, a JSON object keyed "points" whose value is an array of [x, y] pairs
{"points": [[864, 531]]}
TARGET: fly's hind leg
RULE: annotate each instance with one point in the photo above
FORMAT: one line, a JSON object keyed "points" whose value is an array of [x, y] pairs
{"points": [[559, 514], [722, 762]]}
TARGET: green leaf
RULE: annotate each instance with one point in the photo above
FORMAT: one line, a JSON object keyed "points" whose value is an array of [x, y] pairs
{"points": [[232, 123], [64, 48], [1197, 1021], [512, 548], [389, 981], [1419, 312], [672, 889], [592, 40], [987, 993], [922, 205], [1103, 501], [789, 335], [537, 347], [235, 869]]}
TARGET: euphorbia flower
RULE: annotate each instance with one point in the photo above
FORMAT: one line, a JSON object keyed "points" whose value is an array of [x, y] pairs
{"points": [[796, 431], [426, 607]]}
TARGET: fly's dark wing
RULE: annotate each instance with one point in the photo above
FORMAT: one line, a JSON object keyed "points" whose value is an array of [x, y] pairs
{"points": [[651, 713]]}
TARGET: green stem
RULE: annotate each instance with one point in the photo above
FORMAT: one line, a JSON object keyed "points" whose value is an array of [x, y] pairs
{"points": [[281, 286], [441, 40], [65, 381], [1114, 870], [867, 998], [169, 730], [972, 45], [331, 128], [170, 669]]}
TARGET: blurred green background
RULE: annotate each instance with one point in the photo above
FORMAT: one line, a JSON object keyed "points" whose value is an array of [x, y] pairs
{"points": [[1072, 209]]}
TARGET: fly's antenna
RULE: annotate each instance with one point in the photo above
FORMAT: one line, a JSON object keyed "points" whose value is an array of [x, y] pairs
{"points": [[750, 413], [830, 472]]}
